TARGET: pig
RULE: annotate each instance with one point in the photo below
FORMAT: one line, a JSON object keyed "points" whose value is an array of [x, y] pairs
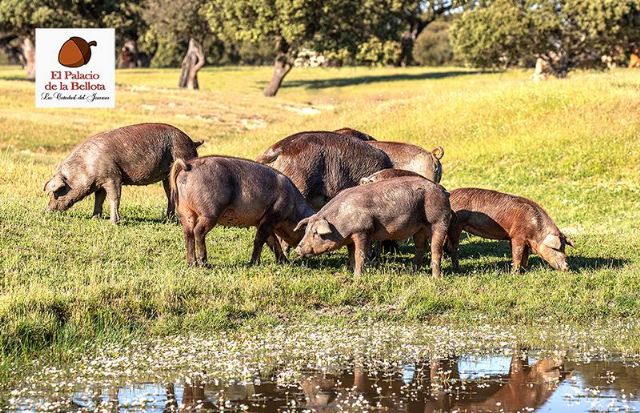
{"points": [[219, 190], [406, 156], [276, 149], [496, 215], [387, 174], [321, 164], [391, 246], [394, 209], [139, 154]]}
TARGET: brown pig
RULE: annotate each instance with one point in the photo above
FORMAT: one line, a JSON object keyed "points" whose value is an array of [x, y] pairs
{"points": [[496, 215], [276, 149], [391, 209], [139, 154], [321, 164], [235, 192], [387, 174], [388, 245], [406, 156]]}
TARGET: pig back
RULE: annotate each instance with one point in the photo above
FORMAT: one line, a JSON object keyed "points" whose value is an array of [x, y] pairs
{"points": [[143, 153], [411, 158], [321, 164], [496, 214], [404, 203], [244, 190]]}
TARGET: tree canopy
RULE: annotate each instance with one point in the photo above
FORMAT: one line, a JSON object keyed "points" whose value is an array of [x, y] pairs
{"points": [[353, 29], [565, 34]]}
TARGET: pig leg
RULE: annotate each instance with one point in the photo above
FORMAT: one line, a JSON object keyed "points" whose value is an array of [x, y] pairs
{"points": [[518, 248], [525, 257], [200, 231], [438, 236], [453, 241], [190, 244], [274, 245], [188, 223], [114, 191], [170, 205], [262, 235], [361, 241], [420, 239], [100, 196], [351, 248]]}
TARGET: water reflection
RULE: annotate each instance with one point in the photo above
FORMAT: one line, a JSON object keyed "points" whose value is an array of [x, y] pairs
{"points": [[466, 383]]}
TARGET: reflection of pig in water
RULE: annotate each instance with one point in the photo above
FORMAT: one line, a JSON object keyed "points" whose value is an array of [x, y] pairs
{"points": [[527, 387], [133, 155]]}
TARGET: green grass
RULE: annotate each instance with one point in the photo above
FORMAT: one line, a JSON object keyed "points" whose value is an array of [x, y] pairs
{"points": [[572, 145]]}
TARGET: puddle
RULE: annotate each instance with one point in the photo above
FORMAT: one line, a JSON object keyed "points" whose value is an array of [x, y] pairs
{"points": [[321, 370]]}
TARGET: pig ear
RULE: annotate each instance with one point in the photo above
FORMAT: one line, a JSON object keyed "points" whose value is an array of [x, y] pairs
{"points": [[55, 183], [552, 241], [323, 227], [303, 223], [438, 152]]}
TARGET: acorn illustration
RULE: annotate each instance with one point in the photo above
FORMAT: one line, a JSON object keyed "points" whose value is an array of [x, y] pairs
{"points": [[75, 52]]}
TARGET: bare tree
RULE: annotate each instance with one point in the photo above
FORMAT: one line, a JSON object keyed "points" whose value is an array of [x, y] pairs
{"points": [[29, 55], [281, 67], [191, 64]]}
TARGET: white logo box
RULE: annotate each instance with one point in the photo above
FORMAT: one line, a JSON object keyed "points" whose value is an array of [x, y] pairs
{"points": [[92, 84]]}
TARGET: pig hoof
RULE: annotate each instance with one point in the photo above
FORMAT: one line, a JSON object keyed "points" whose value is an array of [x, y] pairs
{"points": [[96, 216]]}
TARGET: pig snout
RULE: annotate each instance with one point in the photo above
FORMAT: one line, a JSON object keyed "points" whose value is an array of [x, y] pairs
{"points": [[561, 264], [303, 250], [557, 260], [58, 205]]}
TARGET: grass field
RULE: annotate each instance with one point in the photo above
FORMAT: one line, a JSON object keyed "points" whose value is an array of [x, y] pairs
{"points": [[572, 145]]}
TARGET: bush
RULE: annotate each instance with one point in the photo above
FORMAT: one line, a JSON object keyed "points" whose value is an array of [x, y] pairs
{"points": [[432, 47]]}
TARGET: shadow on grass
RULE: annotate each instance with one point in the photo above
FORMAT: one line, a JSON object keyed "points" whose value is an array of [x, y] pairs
{"points": [[502, 249], [334, 261], [578, 263], [471, 251], [351, 81], [133, 220]]}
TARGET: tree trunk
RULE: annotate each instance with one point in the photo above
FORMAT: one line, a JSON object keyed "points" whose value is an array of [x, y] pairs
{"points": [[553, 64], [29, 55], [408, 40], [281, 67], [128, 56], [191, 64], [13, 52]]}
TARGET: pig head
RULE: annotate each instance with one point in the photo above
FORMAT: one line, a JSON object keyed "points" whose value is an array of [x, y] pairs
{"points": [[65, 191], [319, 236], [551, 247]]}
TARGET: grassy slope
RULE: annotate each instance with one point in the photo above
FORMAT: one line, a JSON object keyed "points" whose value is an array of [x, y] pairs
{"points": [[572, 145]]}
